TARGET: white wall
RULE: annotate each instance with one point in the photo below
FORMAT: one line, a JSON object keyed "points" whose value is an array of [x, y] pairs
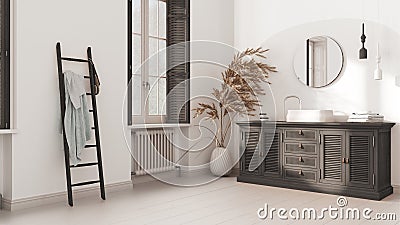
{"points": [[256, 20], [36, 161], [279, 25], [210, 21], [1, 166], [6, 165], [37, 156]]}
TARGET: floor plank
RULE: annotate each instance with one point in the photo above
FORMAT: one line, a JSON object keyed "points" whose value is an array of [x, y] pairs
{"points": [[224, 201]]}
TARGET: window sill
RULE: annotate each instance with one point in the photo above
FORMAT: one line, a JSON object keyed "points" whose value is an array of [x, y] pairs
{"points": [[162, 125], [8, 131]]}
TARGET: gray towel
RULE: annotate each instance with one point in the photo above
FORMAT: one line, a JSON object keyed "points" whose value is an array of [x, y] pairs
{"points": [[76, 119]]}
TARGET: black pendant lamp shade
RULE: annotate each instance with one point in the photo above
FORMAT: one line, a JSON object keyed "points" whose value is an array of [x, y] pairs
{"points": [[363, 50]]}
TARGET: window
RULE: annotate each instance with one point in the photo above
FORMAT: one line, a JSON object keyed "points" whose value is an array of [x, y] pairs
{"points": [[149, 60], [152, 26], [5, 65]]}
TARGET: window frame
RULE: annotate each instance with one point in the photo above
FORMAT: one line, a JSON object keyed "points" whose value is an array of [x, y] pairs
{"points": [[145, 37], [171, 78]]}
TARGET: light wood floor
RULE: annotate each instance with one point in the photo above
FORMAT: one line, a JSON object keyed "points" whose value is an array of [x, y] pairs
{"points": [[222, 202]]}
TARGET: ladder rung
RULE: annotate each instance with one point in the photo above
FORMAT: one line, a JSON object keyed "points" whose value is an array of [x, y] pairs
{"points": [[93, 128], [87, 77], [90, 146], [88, 93], [74, 59], [85, 165], [91, 110], [85, 183]]}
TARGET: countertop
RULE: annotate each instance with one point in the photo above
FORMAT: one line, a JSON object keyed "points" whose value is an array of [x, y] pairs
{"points": [[385, 124]]}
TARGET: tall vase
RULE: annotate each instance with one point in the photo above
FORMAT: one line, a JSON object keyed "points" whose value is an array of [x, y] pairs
{"points": [[220, 162]]}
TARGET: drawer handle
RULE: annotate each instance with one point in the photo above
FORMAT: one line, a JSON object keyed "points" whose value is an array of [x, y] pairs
{"points": [[300, 159], [344, 160], [301, 172], [300, 132], [300, 145], [347, 160]]}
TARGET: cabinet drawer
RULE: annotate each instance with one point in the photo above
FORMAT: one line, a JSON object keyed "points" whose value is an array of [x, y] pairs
{"points": [[301, 175], [302, 148], [301, 161], [299, 134]]}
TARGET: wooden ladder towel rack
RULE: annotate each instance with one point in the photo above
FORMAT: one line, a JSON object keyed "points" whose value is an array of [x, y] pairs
{"points": [[97, 146]]}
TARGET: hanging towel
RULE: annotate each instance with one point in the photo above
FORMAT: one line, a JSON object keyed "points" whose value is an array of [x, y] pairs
{"points": [[76, 119]]}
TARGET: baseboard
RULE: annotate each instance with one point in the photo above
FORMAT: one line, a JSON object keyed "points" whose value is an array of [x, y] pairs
{"points": [[6, 204], [47, 199], [396, 189], [142, 179]]}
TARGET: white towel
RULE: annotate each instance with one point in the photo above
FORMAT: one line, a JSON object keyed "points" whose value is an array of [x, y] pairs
{"points": [[76, 119]]}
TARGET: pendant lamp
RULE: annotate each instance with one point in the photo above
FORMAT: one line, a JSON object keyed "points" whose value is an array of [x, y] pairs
{"points": [[363, 50]]}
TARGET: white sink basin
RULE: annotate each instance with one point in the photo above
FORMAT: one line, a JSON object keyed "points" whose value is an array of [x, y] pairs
{"points": [[310, 116]]}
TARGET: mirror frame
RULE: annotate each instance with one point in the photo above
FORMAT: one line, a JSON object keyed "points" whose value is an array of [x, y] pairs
{"points": [[340, 71]]}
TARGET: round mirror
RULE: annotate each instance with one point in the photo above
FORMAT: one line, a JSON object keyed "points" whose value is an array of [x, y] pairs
{"points": [[318, 61]]}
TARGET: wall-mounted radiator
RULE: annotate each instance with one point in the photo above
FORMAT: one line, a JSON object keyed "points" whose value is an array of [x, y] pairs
{"points": [[153, 151]]}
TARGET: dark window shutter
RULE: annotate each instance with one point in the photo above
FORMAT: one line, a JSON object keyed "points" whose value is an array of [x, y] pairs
{"points": [[129, 69], [5, 65], [178, 74]]}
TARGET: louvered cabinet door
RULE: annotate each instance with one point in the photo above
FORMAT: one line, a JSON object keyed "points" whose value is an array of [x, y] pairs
{"points": [[272, 161], [332, 153], [360, 159], [250, 145]]}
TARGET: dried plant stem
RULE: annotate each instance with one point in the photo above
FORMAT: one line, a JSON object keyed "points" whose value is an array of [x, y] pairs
{"points": [[239, 91], [229, 125], [221, 122]]}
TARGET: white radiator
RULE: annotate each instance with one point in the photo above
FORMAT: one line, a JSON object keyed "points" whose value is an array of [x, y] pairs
{"points": [[153, 151]]}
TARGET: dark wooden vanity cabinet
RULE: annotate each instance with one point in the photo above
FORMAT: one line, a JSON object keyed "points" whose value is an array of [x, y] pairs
{"points": [[351, 159]]}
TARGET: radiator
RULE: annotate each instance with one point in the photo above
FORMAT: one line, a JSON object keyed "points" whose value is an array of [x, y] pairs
{"points": [[153, 151]]}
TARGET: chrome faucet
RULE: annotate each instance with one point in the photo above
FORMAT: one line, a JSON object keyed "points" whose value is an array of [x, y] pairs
{"points": [[284, 103]]}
